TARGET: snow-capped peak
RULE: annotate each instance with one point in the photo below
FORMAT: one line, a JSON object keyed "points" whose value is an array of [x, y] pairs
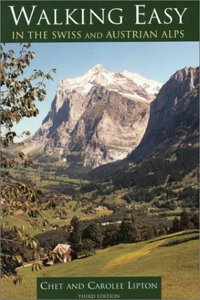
{"points": [[149, 85], [98, 68], [130, 85]]}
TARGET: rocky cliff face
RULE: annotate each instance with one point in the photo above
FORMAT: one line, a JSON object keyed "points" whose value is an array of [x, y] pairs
{"points": [[96, 118], [174, 117]]}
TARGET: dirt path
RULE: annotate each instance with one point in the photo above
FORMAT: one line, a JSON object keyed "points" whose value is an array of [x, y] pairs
{"points": [[130, 257]]}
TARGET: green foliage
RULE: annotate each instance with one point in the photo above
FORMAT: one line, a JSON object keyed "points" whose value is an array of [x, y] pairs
{"points": [[19, 197], [110, 235], [189, 194], [86, 247], [102, 233], [135, 223], [139, 195], [129, 231], [93, 233], [175, 225], [195, 220], [186, 221], [126, 232], [85, 238], [19, 94], [20, 91], [154, 171], [16, 247], [76, 236]]}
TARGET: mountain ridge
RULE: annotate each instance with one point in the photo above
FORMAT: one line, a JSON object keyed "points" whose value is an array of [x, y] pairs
{"points": [[96, 118], [174, 118]]}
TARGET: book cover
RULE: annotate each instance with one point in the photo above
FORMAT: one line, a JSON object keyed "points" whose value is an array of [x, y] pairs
{"points": [[99, 150]]}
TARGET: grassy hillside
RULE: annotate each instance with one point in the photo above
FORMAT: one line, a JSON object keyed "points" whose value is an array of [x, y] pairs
{"points": [[173, 257]]}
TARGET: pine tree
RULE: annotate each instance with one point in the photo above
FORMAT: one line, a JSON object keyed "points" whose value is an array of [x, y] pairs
{"points": [[184, 220], [93, 233], [135, 223], [126, 232], [175, 225], [76, 235]]}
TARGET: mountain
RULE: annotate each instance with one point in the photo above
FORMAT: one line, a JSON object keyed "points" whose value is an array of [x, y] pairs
{"points": [[170, 144], [95, 118], [174, 117]]}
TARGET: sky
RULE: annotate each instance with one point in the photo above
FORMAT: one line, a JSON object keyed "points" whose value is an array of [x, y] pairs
{"points": [[153, 60]]}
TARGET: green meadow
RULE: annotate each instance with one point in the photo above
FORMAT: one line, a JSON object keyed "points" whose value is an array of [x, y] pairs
{"points": [[173, 257]]}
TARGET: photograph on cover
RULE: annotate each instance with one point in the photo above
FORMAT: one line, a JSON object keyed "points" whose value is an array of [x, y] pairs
{"points": [[99, 162]]}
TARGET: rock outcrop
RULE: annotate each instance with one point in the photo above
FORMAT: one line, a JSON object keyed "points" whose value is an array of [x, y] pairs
{"points": [[174, 117], [96, 118]]}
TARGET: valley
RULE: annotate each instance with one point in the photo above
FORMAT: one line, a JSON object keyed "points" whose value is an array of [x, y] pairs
{"points": [[115, 175], [90, 199]]}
